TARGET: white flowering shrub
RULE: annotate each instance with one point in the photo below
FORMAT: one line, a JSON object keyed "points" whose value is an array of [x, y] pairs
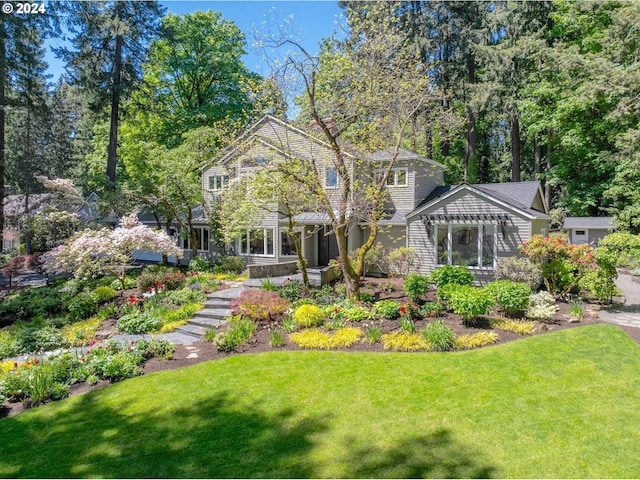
{"points": [[93, 252], [542, 306]]}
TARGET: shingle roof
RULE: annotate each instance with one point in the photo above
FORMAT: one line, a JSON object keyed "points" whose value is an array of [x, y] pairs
{"points": [[589, 222]]}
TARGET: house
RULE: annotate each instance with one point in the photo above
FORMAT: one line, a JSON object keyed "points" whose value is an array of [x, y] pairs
{"points": [[470, 225], [588, 230], [14, 209]]}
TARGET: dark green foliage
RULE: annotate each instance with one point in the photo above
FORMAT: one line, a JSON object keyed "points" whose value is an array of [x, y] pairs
{"points": [[416, 285], [440, 336], [291, 290], [452, 274], [154, 348], [138, 323], [36, 302], [83, 306], [232, 264]]}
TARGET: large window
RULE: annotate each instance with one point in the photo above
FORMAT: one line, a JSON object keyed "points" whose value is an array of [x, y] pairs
{"points": [[331, 178], [468, 245], [397, 177], [218, 182], [202, 240], [287, 246], [257, 242]]}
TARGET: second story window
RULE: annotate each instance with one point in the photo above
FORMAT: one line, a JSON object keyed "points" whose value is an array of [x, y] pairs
{"points": [[331, 178], [218, 182], [397, 177]]}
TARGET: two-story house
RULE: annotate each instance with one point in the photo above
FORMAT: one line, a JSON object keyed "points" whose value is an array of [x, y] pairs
{"points": [[470, 225]]}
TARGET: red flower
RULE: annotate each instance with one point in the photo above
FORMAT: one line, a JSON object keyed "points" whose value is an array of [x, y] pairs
{"points": [[15, 364], [133, 300], [150, 289], [335, 310], [403, 310], [36, 361]]}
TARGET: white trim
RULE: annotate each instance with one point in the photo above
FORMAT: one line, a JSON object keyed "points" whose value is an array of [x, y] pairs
{"points": [[247, 238], [224, 181], [479, 245]]}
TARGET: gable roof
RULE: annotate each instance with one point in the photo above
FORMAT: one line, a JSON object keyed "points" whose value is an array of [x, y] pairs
{"points": [[387, 154], [590, 222], [519, 196]]}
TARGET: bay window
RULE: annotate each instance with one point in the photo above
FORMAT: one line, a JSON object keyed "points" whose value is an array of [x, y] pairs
{"points": [[468, 245]]}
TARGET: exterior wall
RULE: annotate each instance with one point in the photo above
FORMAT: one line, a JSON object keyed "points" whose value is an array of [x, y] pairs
{"points": [[518, 229], [427, 178], [594, 235]]}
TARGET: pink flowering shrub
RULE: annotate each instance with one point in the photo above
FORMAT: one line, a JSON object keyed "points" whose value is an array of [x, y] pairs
{"points": [[259, 304], [92, 252]]}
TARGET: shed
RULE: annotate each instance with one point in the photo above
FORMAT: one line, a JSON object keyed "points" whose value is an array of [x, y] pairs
{"points": [[588, 230]]}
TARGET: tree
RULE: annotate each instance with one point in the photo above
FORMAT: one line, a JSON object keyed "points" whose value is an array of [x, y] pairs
{"points": [[108, 46], [248, 197], [93, 252], [365, 90]]}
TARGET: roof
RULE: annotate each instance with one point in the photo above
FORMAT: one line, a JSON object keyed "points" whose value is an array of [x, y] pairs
{"points": [[518, 195], [387, 154], [590, 222]]}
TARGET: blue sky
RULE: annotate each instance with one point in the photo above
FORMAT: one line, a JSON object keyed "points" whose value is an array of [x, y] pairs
{"points": [[311, 22]]}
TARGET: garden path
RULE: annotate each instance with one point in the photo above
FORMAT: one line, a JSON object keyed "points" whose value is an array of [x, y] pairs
{"points": [[627, 314]]}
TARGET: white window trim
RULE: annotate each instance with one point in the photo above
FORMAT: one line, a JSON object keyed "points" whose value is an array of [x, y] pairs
{"points": [[224, 182], [481, 227], [264, 232], [326, 185]]}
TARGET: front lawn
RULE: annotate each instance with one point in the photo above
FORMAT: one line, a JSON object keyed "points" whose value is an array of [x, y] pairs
{"points": [[556, 405]]}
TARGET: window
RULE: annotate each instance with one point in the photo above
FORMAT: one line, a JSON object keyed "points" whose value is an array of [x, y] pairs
{"points": [[581, 232], [287, 247], [218, 182], [468, 245], [397, 177], [257, 242], [331, 178], [202, 239]]}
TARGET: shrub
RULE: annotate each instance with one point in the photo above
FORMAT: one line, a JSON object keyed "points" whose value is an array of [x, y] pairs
{"points": [[445, 291], [290, 290], [470, 302], [404, 342], [47, 338], [520, 270], [448, 274], [510, 297], [154, 347], [147, 280], [576, 310], [35, 302], [289, 325], [416, 285], [173, 280], [315, 338], [476, 340], [388, 309], [400, 261], [432, 310], [439, 336], [523, 328], [114, 366], [542, 306], [307, 316], [104, 294], [9, 346], [259, 304], [276, 339], [139, 323], [232, 264], [183, 296], [357, 313], [599, 285], [239, 331], [83, 306], [267, 284], [407, 325], [128, 284], [367, 297], [199, 264], [372, 333]]}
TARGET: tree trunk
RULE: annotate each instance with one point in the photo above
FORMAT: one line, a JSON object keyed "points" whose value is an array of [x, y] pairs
{"points": [[351, 279], [428, 140], [537, 153], [3, 81], [27, 182], [515, 145], [115, 105], [298, 243], [471, 142], [547, 185], [445, 144]]}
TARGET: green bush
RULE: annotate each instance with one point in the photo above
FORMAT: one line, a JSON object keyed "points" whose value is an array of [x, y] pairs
{"points": [[445, 291], [599, 285], [115, 366], [232, 264], [357, 313], [139, 323], [307, 316], [83, 306], [155, 347], [431, 310], [290, 290], [105, 294], [199, 264], [128, 284], [35, 302], [452, 274], [147, 280], [47, 339], [9, 346], [416, 285], [182, 296], [389, 309], [470, 302], [510, 297], [440, 336]]}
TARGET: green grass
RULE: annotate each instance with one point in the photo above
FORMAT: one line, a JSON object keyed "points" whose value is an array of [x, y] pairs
{"points": [[563, 404]]}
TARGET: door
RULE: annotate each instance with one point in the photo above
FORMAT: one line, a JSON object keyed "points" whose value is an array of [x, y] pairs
{"points": [[327, 248]]}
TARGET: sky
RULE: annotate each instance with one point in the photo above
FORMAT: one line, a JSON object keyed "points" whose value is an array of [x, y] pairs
{"points": [[311, 21]]}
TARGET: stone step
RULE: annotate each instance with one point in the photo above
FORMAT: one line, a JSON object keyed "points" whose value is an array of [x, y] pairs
{"points": [[219, 313], [194, 330], [206, 322], [228, 294], [216, 303]]}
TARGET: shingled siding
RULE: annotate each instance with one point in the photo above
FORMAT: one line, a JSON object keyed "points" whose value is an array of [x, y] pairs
{"points": [[518, 230]]}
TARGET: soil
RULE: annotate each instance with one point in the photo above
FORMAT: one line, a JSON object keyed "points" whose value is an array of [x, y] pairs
{"points": [[206, 351]]}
